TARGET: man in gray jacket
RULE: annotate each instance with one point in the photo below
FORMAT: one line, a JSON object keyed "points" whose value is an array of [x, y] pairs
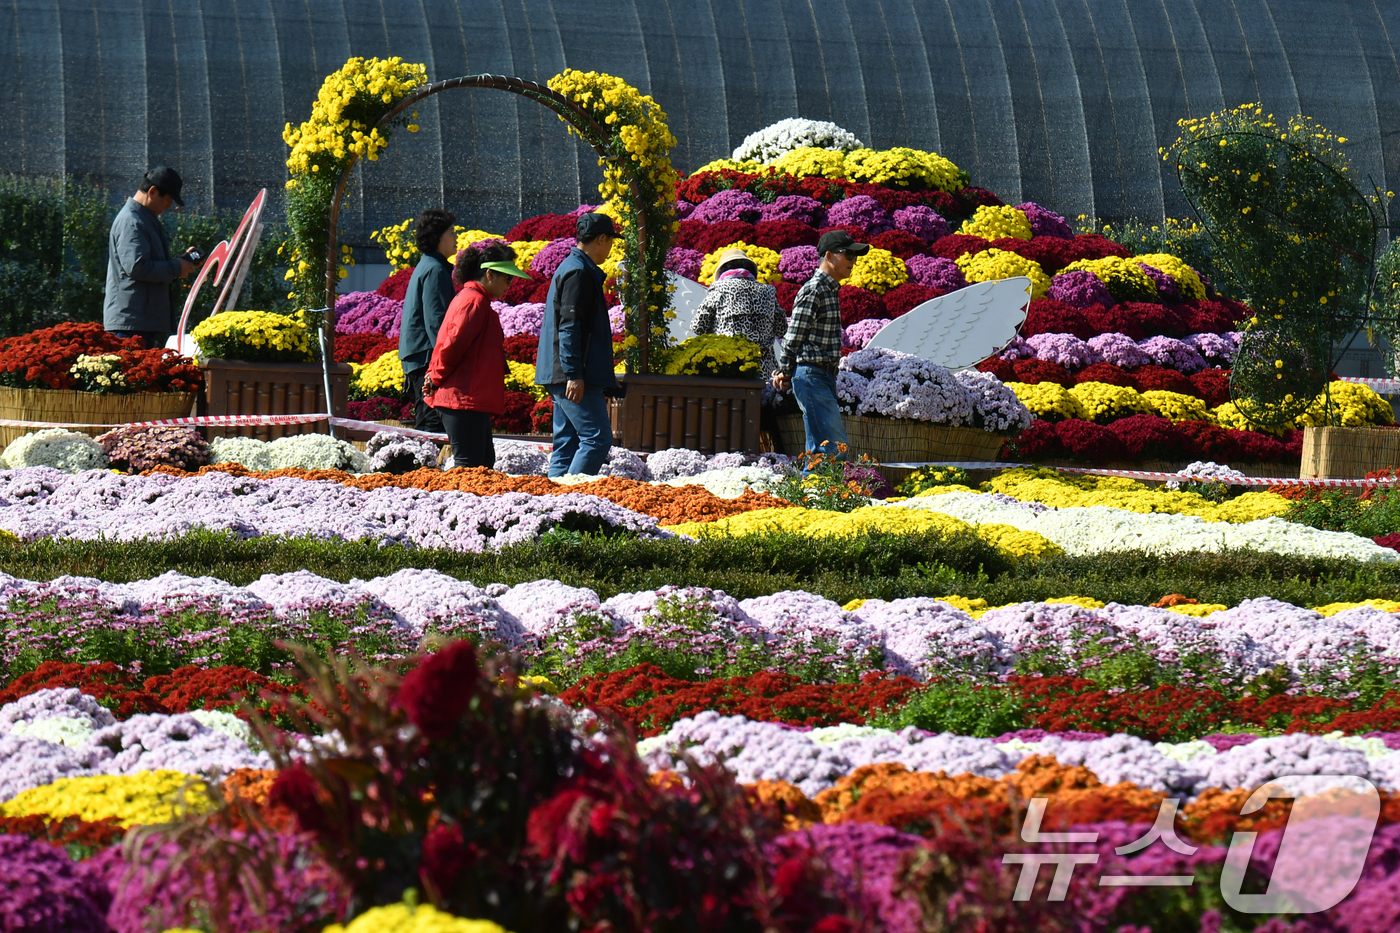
{"points": [[139, 265]]}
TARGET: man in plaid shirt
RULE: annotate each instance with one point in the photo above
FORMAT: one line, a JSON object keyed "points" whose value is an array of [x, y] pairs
{"points": [[812, 344]]}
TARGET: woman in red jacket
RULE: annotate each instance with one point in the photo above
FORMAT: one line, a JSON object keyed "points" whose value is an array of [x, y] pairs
{"points": [[466, 380]]}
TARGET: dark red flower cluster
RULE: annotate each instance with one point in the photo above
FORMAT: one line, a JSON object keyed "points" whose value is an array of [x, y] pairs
{"points": [[856, 233], [903, 245], [1052, 252], [780, 234], [706, 238], [380, 408], [544, 227], [395, 286], [787, 294], [42, 359], [1172, 713], [180, 691], [362, 348], [542, 416], [1160, 378], [858, 304], [649, 701], [1095, 246], [522, 348], [517, 418], [438, 691], [1146, 436], [535, 288], [904, 298], [955, 244], [69, 833]]}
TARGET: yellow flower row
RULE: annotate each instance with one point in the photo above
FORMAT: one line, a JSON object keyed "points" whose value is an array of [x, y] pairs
{"points": [[878, 271], [520, 377], [1060, 491], [131, 799], [992, 222], [816, 523], [899, 167], [763, 257], [383, 376], [405, 918], [1355, 404], [262, 330], [992, 264]]}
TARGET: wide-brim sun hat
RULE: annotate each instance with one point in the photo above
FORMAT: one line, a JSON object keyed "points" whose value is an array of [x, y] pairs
{"points": [[735, 257]]}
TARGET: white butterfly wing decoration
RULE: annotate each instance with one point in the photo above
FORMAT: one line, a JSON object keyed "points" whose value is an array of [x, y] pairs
{"points": [[962, 328], [685, 301]]}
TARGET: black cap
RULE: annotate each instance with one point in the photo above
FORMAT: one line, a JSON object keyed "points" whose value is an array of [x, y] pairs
{"points": [[167, 180], [592, 225], [839, 241]]}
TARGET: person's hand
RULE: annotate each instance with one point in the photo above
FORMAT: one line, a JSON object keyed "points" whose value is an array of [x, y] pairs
{"points": [[186, 267], [781, 382], [428, 386], [573, 391]]}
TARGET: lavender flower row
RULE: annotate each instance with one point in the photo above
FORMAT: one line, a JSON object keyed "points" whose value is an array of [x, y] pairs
{"points": [[40, 502], [814, 760], [1189, 355], [189, 619]]}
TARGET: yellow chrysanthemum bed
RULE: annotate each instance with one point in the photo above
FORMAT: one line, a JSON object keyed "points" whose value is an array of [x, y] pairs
{"points": [[815, 523], [1061, 491], [132, 799]]}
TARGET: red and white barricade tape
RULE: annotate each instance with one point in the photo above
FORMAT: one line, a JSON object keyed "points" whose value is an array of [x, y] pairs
{"points": [[1383, 386], [234, 420]]}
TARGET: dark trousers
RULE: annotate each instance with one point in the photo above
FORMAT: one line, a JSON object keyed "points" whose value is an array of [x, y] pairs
{"points": [[470, 435], [425, 416], [150, 339]]}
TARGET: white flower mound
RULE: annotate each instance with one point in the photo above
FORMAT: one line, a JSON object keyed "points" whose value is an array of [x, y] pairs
{"points": [[1085, 530], [772, 142], [295, 451], [68, 451], [729, 482]]}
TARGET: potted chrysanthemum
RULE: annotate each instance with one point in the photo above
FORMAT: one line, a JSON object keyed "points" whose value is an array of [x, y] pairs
{"points": [[705, 396], [897, 407], [79, 374], [261, 363]]}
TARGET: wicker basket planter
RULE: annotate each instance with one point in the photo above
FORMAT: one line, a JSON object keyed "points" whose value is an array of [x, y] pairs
{"points": [[708, 415], [1348, 453], [68, 406], [234, 387], [902, 440]]}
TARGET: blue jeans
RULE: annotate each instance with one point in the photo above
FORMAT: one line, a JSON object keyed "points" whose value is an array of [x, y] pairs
{"points": [[815, 390], [582, 432]]}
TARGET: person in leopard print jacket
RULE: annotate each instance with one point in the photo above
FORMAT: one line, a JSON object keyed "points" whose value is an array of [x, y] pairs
{"points": [[738, 305]]}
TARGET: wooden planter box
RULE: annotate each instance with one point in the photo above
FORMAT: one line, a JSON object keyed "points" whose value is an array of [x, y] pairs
{"points": [[901, 440], [1348, 453], [708, 415], [233, 387], [68, 406]]}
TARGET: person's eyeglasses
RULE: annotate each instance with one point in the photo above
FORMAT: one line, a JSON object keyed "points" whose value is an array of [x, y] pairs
{"points": [[850, 254]]}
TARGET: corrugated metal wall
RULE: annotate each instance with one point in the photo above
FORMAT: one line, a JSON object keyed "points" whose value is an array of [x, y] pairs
{"points": [[1060, 101]]}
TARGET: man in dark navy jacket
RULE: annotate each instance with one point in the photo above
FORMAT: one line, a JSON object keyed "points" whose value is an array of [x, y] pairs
{"points": [[575, 360]]}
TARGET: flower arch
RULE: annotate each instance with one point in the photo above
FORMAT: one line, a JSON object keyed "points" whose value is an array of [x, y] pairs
{"points": [[358, 109]]}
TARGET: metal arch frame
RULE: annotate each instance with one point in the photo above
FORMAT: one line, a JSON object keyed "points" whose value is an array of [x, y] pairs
{"points": [[572, 113]]}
